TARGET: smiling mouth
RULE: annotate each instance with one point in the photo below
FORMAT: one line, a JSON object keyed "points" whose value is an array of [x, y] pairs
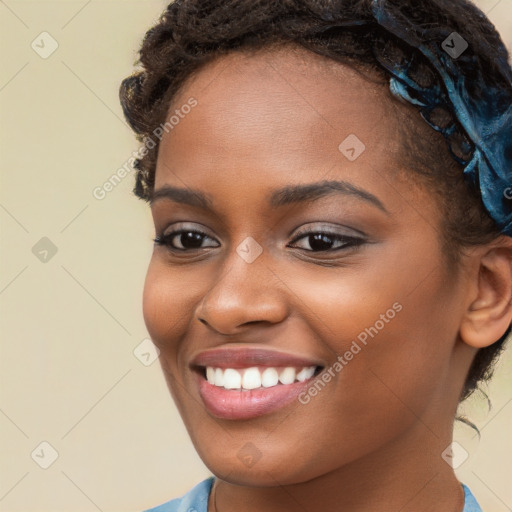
{"points": [[252, 391], [244, 382], [257, 377]]}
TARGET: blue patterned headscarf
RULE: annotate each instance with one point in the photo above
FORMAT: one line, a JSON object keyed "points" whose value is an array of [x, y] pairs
{"points": [[481, 107]]}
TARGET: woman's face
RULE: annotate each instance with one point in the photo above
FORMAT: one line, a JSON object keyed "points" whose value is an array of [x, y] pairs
{"points": [[370, 301]]}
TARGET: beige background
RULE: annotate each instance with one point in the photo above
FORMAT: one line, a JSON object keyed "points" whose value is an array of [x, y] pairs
{"points": [[70, 325]]}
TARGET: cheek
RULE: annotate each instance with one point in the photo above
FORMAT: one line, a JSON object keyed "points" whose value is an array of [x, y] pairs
{"points": [[394, 331], [166, 304]]}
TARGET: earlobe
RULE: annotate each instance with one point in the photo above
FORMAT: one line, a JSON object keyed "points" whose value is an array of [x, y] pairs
{"points": [[490, 312]]}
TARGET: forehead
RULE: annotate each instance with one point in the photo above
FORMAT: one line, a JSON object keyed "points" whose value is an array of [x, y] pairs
{"points": [[285, 80], [278, 114]]}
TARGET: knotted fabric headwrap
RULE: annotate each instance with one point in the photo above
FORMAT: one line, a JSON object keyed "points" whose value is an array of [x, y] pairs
{"points": [[482, 108]]}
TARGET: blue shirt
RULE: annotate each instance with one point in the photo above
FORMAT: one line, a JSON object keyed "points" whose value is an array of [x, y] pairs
{"points": [[196, 500]]}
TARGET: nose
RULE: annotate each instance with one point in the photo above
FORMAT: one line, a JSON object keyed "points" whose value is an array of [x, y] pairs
{"points": [[245, 293]]}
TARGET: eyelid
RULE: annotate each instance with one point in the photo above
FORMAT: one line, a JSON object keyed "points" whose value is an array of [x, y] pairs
{"points": [[331, 230], [186, 226]]}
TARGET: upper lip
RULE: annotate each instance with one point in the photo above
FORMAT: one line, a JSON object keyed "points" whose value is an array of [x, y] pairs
{"points": [[245, 357]]}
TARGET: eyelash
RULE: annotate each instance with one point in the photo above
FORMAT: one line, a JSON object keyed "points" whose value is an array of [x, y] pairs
{"points": [[165, 240]]}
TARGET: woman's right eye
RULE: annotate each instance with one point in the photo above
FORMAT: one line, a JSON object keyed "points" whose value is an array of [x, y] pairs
{"points": [[189, 239]]}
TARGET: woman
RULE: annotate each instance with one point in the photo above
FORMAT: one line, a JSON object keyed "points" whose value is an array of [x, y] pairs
{"points": [[332, 265]]}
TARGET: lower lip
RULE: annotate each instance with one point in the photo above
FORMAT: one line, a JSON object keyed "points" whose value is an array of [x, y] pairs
{"points": [[234, 404]]}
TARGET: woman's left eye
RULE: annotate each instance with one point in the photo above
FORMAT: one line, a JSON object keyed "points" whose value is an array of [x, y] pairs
{"points": [[321, 241]]}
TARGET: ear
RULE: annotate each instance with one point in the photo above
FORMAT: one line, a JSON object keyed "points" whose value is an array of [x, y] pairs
{"points": [[490, 311]]}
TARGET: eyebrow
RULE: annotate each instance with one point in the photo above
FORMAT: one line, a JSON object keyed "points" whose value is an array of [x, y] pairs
{"points": [[291, 194]]}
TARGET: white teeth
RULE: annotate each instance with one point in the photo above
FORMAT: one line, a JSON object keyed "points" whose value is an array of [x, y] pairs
{"points": [[269, 377], [210, 375], [219, 377], [254, 378], [232, 379], [287, 376], [305, 373], [251, 379]]}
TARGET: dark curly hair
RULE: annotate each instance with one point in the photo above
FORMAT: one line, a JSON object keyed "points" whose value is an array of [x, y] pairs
{"points": [[191, 33]]}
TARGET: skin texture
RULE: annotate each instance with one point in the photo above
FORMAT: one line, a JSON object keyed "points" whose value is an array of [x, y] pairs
{"points": [[372, 438]]}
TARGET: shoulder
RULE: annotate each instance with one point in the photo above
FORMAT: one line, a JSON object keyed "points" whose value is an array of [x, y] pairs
{"points": [[470, 503], [195, 500]]}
